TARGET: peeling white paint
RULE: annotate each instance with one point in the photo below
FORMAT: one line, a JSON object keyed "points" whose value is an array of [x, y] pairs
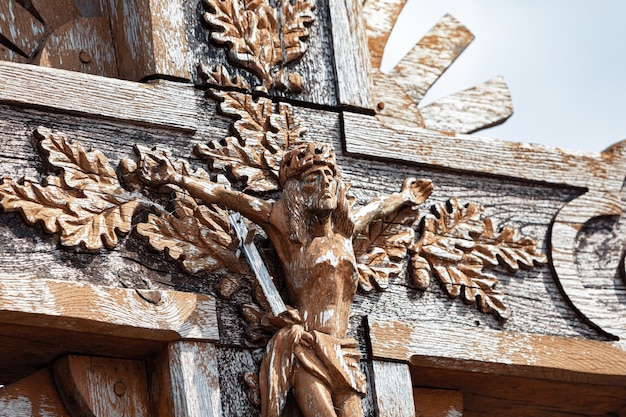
{"points": [[328, 256], [16, 407]]}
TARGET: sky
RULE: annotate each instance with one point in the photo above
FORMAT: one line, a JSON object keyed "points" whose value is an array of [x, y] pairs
{"points": [[564, 63]]}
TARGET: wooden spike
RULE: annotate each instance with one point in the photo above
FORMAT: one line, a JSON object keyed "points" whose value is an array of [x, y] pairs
{"points": [[20, 27], [380, 17], [485, 105], [432, 55]]}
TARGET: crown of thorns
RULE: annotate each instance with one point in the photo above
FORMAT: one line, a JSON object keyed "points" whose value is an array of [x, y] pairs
{"points": [[305, 156]]}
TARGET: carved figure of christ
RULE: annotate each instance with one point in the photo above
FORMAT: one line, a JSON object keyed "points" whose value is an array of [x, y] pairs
{"points": [[311, 227]]}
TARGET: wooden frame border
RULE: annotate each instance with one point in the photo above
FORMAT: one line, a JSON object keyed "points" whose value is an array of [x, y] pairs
{"points": [[498, 352], [162, 103], [80, 307]]}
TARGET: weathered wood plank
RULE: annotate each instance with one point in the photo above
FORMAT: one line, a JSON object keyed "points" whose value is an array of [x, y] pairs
{"points": [[95, 386], [488, 395], [484, 155], [120, 312], [20, 27], [163, 104], [485, 105], [187, 382], [380, 17], [33, 396], [432, 55], [92, 8], [394, 391], [438, 402], [83, 45], [507, 353], [393, 105], [149, 38], [352, 60]]}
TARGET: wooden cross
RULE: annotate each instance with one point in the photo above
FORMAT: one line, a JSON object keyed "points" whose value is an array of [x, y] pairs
{"points": [[118, 320]]}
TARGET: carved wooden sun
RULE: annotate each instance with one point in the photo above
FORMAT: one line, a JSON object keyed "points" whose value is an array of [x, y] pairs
{"points": [[398, 94]]}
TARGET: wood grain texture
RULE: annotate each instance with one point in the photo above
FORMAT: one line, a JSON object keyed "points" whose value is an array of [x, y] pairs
{"points": [[82, 45], [432, 55], [488, 395], [393, 389], [484, 155], [505, 353], [578, 287], [55, 13], [393, 104], [20, 27], [485, 105], [162, 104], [33, 396], [352, 61], [380, 17], [149, 38], [101, 310], [185, 381], [92, 8], [438, 402], [96, 386]]}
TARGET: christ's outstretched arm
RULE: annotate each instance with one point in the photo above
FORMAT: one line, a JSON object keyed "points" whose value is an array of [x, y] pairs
{"points": [[413, 192], [157, 169]]}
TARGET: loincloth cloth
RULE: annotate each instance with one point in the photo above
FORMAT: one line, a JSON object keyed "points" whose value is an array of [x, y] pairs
{"points": [[332, 360]]}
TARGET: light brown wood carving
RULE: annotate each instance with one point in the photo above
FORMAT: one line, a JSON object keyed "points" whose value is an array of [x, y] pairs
{"points": [[262, 39], [458, 247], [326, 247]]}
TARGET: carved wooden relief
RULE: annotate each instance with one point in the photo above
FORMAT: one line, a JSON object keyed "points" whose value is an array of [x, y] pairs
{"points": [[324, 245], [261, 39], [305, 219]]}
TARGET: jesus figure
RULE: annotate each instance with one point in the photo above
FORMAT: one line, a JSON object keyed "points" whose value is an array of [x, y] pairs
{"points": [[311, 227]]}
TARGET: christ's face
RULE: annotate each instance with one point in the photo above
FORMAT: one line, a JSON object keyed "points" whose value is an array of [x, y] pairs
{"points": [[319, 186]]}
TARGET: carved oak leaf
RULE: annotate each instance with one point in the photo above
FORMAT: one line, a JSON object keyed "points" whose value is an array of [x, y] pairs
{"points": [[220, 76], [85, 205], [508, 249], [382, 248], [252, 159], [197, 235], [457, 246], [298, 18], [256, 40]]}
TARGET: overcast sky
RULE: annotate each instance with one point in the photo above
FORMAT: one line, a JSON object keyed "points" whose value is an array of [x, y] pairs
{"points": [[564, 62]]}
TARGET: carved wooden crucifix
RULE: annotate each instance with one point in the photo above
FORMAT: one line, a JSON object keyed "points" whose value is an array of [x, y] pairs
{"points": [[287, 122]]}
